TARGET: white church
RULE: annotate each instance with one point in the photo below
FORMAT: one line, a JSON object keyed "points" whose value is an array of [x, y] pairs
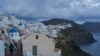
{"points": [[14, 34]]}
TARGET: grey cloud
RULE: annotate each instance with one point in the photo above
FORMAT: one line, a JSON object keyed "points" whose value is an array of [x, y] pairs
{"points": [[68, 9]]}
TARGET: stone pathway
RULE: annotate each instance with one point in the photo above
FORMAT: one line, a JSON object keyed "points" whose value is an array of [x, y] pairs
{"points": [[16, 53]]}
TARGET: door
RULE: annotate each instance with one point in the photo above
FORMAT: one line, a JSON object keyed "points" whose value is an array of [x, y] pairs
{"points": [[34, 50]]}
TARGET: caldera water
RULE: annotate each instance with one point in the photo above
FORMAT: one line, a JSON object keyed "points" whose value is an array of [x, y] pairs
{"points": [[94, 48]]}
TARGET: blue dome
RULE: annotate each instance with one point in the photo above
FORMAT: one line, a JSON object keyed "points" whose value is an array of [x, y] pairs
{"points": [[20, 24], [13, 30]]}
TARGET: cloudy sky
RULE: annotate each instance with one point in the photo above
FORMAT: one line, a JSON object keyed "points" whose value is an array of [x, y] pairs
{"points": [[79, 10]]}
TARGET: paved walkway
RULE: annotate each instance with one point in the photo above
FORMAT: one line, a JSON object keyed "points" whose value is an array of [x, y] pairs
{"points": [[16, 53]]}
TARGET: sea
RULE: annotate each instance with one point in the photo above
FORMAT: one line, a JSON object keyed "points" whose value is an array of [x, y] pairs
{"points": [[93, 48]]}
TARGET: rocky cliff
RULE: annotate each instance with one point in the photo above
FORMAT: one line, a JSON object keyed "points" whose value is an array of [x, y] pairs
{"points": [[69, 48], [76, 33], [68, 37], [66, 42]]}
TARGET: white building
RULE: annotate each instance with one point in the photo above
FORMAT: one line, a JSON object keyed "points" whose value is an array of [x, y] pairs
{"points": [[14, 34], [40, 28], [2, 48], [21, 25], [14, 21], [39, 45], [28, 27]]}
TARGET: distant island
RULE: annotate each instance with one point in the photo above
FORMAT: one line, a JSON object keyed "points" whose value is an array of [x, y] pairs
{"points": [[91, 27]]}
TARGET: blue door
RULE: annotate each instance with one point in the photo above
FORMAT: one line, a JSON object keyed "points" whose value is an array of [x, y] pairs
{"points": [[34, 50]]}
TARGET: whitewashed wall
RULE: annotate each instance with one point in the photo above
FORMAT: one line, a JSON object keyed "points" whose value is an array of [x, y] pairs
{"points": [[2, 48]]}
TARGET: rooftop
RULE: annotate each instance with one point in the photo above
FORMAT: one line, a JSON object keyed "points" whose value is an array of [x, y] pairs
{"points": [[13, 29]]}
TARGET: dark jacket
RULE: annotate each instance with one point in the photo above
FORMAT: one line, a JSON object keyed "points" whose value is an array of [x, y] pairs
{"points": [[11, 47]]}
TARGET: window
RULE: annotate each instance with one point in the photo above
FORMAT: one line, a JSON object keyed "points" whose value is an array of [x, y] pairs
{"points": [[12, 35], [37, 37]]}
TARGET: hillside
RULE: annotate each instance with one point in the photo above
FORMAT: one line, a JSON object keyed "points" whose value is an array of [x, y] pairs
{"points": [[78, 34], [69, 48], [56, 21], [68, 37], [68, 45]]}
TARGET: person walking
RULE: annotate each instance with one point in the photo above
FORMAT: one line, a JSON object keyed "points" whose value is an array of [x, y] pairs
{"points": [[11, 47]]}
